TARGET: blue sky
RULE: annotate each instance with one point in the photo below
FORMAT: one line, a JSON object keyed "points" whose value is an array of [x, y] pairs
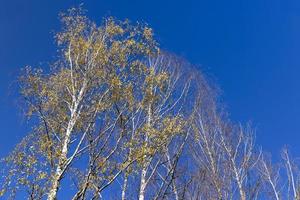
{"points": [[250, 48]]}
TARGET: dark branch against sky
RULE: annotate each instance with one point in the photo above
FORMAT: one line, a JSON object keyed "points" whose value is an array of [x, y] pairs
{"points": [[250, 48]]}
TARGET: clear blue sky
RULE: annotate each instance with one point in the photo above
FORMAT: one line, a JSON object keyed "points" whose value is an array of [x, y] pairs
{"points": [[251, 48]]}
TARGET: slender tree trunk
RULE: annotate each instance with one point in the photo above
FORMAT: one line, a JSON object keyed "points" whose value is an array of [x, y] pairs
{"points": [[173, 181], [60, 168], [242, 194], [63, 163], [143, 184], [239, 183], [275, 191], [175, 190], [55, 185], [124, 187]]}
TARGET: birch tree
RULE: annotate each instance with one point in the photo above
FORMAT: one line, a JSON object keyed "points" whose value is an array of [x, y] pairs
{"points": [[225, 157], [158, 124], [271, 174], [282, 178], [292, 173], [74, 102], [212, 177], [242, 158]]}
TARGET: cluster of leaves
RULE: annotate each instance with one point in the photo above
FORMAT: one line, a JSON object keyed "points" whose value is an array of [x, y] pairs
{"points": [[26, 170]]}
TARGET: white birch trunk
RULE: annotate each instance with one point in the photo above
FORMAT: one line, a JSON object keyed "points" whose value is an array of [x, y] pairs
{"points": [[124, 188], [62, 163], [143, 184]]}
